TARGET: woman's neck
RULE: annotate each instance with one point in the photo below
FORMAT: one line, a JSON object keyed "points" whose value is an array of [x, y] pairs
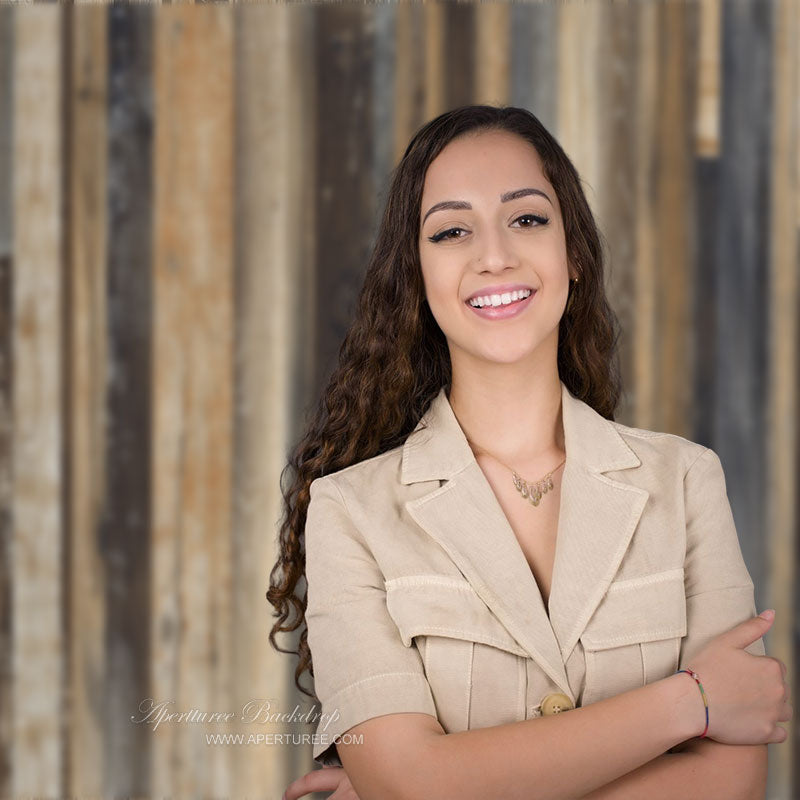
{"points": [[517, 422]]}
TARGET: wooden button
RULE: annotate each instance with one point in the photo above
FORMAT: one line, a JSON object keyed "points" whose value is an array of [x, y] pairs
{"points": [[555, 704]]}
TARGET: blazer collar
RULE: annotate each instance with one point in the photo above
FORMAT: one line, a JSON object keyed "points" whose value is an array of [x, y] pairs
{"points": [[438, 448], [597, 517]]}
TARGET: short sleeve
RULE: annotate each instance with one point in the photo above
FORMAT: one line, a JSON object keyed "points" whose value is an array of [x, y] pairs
{"points": [[719, 589], [362, 669]]}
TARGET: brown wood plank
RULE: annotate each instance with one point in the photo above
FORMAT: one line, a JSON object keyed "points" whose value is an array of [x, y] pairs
{"points": [[492, 25], [577, 106], [274, 356], [458, 53], [192, 375], [708, 80], [86, 378], [783, 440], [410, 82], [674, 267], [36, 552], [436, 66], [6, 389]]}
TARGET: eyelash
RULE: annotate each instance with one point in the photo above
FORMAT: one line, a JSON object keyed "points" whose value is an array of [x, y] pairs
{"points": [[540, 218]]}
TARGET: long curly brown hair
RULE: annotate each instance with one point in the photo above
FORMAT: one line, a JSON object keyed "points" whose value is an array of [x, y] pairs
{"points": [[394, 358]]}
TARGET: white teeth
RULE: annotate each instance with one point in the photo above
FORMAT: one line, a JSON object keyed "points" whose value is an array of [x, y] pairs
{"points": [[499, 299]]}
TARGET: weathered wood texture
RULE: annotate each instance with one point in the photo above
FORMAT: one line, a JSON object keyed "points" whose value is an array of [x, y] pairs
{"points": [[191, 586], [6, 419], [274, 341], [91, 467], [36, 510], [188, 198]]}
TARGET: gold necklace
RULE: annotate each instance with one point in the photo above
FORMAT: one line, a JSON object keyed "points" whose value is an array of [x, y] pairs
{"points": [[530, 491]]}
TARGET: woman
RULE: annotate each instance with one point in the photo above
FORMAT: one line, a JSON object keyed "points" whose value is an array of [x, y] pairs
{"points": [[484, 547]]}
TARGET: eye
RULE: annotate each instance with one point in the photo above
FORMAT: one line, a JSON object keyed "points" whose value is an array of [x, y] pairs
{"points": [[534, 220], [444, 235], [540, 219]]}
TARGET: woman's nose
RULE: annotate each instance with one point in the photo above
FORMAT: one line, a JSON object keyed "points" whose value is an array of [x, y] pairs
{"points": [[494, 251]]}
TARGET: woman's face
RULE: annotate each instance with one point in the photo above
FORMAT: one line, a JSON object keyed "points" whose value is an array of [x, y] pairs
{"points": [[497, 231]]}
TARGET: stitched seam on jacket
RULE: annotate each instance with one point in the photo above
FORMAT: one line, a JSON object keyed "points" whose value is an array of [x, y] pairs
{"points": [[663, 633], [700, 455], [720, 589], [457, 584], [647, 580], [467, 635], [374, 678]]}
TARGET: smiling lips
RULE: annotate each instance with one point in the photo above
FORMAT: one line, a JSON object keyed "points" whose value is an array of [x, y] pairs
{"points": [[501, 305]]}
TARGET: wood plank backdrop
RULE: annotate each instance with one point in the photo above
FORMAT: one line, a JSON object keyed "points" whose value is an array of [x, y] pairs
{"points": [[188, 197]]}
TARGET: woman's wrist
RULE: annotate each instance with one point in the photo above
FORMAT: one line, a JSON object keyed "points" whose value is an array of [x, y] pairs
{"points": [[684, 697]]}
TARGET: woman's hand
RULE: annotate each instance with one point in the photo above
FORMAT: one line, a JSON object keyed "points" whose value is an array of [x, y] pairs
{"points": [[747, 695], [327, 779]]}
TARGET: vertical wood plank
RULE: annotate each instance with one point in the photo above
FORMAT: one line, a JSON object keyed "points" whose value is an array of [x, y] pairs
{"points": [[457, 50], [742, 272], [492, 62], [616, 172], [533, 59], [274, 356], [706, 130], [783, 396], [706, 204], [673, 214], [36, 552], [577, 105], [410, 84], [345, 202], [123, 525], [192, 373], [86, 383], [645, 291], [436, 72], [6, 419], [383, 103]]}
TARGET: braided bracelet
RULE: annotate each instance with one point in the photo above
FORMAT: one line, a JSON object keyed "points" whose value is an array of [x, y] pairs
{"points": [[692, 674]]}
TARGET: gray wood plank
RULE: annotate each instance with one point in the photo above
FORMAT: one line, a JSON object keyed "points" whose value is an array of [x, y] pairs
{"points": [[534, 35], [741, 271], [124, 528], [343, 48]]}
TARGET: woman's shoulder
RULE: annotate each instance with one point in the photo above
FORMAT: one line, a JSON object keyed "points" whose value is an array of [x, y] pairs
{"points": [[369, 473], [661, 446]]}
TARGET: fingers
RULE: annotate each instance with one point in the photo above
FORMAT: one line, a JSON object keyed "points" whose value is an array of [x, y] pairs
{"points": [[745, 633], [318, 780], [779, 735]]}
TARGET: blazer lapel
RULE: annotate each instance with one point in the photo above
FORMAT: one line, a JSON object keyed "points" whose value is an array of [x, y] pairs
{"points": [[596, 521]]}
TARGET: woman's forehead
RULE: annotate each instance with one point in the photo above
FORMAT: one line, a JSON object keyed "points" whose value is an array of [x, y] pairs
{"points": [[484, 165]]}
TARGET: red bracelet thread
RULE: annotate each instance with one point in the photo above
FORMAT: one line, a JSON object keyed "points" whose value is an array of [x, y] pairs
{"points": [[692, 674]]}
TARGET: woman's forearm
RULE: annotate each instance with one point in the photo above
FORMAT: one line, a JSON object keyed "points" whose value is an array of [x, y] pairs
{"points": [[704, 770], [567, 755]]}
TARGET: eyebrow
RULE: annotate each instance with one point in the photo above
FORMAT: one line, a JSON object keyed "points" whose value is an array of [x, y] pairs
{"points": [[459, 205]]}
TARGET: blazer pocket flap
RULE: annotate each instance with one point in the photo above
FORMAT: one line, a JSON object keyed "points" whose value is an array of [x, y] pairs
{"points": [[643, 609], [434, 605]]}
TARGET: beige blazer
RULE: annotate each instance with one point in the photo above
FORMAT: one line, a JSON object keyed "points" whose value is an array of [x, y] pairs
{"points": [[421, 599]]}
